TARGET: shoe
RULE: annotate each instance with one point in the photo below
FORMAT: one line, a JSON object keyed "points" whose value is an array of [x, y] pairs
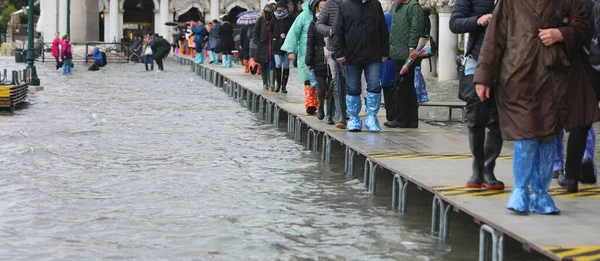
{"points": [[353, 105], [492, 149], [557, 173], [525, 152], [588, 171], [340, 125], [284, 80], [570, 185], [394, 124], [278, 73], [372, 106], [541, 201]]}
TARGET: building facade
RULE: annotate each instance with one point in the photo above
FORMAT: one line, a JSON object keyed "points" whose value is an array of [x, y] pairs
{"points": [[110, 20]]}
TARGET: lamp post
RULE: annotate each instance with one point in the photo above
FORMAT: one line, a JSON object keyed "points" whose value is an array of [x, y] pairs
{"points": [[69, 18], [35, 81]]}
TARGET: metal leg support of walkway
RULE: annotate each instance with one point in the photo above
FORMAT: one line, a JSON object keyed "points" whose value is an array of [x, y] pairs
{"points": [[485, 233], [399, 188], [370, 176], [439, 218], [349, 162]]}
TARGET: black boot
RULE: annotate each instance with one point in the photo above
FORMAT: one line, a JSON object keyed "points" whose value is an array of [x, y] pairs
{"points": [[388, 99], [146, 66], [284, 80], [278, 79], [321, 109], [476, 141], [330, 103], [264, 74], [492, 149]]}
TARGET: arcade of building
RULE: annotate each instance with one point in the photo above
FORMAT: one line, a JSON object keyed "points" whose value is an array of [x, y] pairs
{"points": [[111, 20]]}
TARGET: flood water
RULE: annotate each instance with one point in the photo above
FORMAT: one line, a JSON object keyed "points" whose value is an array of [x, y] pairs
{"points": [[124, 164]]}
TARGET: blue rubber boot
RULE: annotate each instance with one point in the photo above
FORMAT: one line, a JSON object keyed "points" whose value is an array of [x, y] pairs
{"points": [[353, 104], [372, 107], [541, 202], [197, 61], [525, 153], [229, 61], [224, 60], [589, 173]]}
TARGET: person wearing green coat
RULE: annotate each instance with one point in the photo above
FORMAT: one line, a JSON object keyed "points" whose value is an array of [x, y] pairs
{"points": [[295, 44]]}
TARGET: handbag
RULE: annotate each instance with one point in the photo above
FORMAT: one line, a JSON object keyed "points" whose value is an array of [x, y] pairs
{"points": [[466, 88]]}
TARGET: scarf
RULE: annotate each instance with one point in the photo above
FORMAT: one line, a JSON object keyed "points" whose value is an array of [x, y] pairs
{"points": [[281, 14]]}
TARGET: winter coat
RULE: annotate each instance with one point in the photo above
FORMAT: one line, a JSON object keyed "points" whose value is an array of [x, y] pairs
{"points": [[250, 35], [326, 19], [199, 34], [262, 39], [55, 47], [464, 20], [227, 42], [408, 25], [295, 41], [539, 89], [160, 48], [65, 47], [280, 26], [315, 53], [215, 37], [360, 32], [97, 56], [388, 68], [244, 39]]}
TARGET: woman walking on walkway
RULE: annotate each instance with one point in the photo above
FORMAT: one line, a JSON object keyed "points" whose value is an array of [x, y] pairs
{"points": [[263, 54], [295, 44], [316, 60], [66, 54], [213, 41], [199, 34], [56, 50], [281, 25], [227, 43]]}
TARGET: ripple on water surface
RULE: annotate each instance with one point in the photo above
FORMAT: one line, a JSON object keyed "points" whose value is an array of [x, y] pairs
{"points": [[125, 164]]}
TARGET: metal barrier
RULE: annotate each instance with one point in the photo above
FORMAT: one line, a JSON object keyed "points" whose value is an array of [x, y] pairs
{"points": [[14, 91]]}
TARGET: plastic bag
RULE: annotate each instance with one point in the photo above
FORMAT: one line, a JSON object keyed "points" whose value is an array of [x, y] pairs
{"points": [[420, 86], [312, 78]]}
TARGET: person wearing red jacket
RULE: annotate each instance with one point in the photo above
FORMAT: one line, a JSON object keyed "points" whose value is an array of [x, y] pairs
{"points": [[55, 50]]}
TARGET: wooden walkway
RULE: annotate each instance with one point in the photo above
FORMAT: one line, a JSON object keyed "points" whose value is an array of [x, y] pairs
{"points": [[432, 159]]}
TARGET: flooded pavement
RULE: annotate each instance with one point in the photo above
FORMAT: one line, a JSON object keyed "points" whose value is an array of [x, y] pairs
{"points": [[125, 164]]}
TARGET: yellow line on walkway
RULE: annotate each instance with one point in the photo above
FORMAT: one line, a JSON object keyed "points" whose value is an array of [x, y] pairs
{"points": [[579, 253], [554, 191], [436, 156]]}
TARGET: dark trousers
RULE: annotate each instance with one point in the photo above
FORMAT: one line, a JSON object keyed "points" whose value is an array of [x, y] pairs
{"points": [[159, 62], [405, 98], [58, 63], [575, 150]]}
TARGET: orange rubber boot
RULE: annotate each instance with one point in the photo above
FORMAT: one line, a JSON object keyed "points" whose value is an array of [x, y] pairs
{"points": [[310, 99], [246, 66]]}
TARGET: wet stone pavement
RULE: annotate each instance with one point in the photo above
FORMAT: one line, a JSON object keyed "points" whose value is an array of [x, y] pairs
{"points": [[125, 164]]}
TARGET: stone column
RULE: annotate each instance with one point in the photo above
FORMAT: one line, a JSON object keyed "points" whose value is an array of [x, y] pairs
{"points": [[113, 21], [214, 9], [62, 16], [448, 42], [84, 14], [120, 25], [162, 29], [49, 7]]}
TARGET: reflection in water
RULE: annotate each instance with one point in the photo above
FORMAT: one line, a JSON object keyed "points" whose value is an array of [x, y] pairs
{"points": [[126, 164]]}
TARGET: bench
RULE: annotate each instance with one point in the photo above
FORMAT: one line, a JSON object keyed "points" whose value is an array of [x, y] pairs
{"points": [[449, 105]]}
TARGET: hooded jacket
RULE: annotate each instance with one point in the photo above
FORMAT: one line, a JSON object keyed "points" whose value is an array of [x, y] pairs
{"points": [[360, 32], [199, 34], [97, 55], [295, 41]]}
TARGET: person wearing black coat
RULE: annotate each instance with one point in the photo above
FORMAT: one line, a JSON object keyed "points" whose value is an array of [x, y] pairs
{"points": [[263, 54], [470, 16], [160, 50], [280, 26], [226, 44], [317, 61]]}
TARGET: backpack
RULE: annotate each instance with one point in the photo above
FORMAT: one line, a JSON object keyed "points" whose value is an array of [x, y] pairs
{"points": [[593, 49]]}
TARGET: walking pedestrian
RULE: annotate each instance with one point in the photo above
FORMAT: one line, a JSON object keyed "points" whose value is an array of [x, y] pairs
{"points": [[66, 54], [325, 22], [199, 35], [361, 43], [227, 43], [245, 48], [317, 61], [538, 95], [254, 67], [408, 25], [295, 45], [281, 25], [214, 41], [55, 50], [262, 39], [473, 17]]}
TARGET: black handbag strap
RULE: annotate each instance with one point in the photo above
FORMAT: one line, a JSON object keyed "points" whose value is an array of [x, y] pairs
{"points": [[471, 45]]}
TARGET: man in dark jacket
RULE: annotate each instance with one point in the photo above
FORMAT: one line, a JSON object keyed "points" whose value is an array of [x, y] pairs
{"points": [[408, 25], [469, 16], [324, 25], [160, 49], [361, 43]]}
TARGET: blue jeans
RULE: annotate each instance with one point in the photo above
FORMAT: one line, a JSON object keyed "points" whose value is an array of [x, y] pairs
{"points": [[282, 60], [149, 59], [372, 75]]}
